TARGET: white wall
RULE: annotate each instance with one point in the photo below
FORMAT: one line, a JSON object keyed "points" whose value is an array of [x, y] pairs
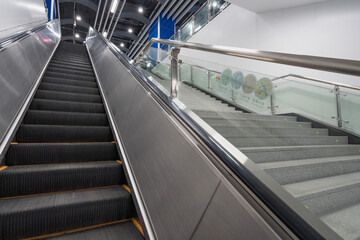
{"points": [[16, 15], [329, 29]]}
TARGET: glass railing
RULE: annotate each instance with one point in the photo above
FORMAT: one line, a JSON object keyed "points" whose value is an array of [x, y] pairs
{"points": [[300, 132]]}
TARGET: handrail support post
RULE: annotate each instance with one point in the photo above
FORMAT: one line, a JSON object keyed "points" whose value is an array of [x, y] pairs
{"points": [[338, 105], [174, 71]]}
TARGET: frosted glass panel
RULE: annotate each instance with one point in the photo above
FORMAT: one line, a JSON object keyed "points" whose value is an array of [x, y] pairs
{"points": [[201, 18], [303, 98], [350, 111]]}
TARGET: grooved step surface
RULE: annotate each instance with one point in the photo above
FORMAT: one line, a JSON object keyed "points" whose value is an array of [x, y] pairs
{"points": [[43, 153], [126, 230], [71, 82], [34, 179], [66, 96], [65, 118], [66, 106], [55, 133], [63, 211], [68, 88]]}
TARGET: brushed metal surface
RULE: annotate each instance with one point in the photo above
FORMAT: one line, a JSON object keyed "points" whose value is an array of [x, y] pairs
{"points": [[21, 64], [175, 179], [235, 220]]}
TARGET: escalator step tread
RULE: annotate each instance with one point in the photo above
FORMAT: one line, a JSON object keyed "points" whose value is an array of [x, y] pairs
{"points": [[68, 88], [70, 71], [43, 153], [66, 106], [43, 178], [65, 96], [65, 118], [70, 76], [124, 230], [28, 133], [43, 214]]}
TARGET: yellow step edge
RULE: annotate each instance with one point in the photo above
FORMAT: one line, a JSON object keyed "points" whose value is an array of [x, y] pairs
{"points": [[126, 188], [137, 224], [3, 167], [14, 143], [76, 230], [119, 161]]}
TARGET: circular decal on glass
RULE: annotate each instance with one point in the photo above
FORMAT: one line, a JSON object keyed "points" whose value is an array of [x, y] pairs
{"points": [[249, 83], [226, 76], [237, 80], [263, 88]]}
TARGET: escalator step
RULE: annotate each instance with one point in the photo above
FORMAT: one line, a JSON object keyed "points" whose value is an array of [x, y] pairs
{"points": [[124, 230], [37, 215], [69, 76], [71, 63], [68, 88], [70, 71], [70, 66], [43, 153], [65, 118], [64, 96], [91, 84], [65, 106], [54, 133], [35, 179]]}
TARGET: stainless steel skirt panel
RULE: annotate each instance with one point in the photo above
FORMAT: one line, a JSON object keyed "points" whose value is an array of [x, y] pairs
{"points": [[21, 64]]}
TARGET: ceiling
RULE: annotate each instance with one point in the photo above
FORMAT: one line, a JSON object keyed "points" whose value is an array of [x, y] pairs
{"points": [[130, 18], [271, 5]]}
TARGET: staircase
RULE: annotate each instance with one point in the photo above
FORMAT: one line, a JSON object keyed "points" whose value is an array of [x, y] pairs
{"points": [[63, 176], [321, 171]]}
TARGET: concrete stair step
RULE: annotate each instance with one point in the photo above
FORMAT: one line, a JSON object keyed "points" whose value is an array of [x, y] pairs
{"points": [[345, 222], [229, 131], [285, 153], [286, 172], [241, 115], [256, 123], [327, 194], [287, 141]]}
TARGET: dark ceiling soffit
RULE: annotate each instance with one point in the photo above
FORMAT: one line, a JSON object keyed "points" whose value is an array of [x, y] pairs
{"points": [[93, 7], [125, 34]]}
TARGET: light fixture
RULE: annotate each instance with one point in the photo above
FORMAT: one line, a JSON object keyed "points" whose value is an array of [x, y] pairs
{"points": [[148, 64], [214, 4], [122, 45], [105, 34], [77, 35], [74, 23], [130, 30], [78, 18], [113, 7], [141, 10]]}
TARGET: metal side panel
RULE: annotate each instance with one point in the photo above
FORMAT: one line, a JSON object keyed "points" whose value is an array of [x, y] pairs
{"points": [[21, 65], [177, 182]]}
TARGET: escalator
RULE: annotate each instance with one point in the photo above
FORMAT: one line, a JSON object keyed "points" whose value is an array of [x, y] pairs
{"points": [[63, 177]]}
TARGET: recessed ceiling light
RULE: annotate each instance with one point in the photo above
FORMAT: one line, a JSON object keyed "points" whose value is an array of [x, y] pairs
{"points": [[105, 34], [141, 10], [122, 45], [214, 4], [130, 30], [114, 6], [78, 18], [77, 35]]}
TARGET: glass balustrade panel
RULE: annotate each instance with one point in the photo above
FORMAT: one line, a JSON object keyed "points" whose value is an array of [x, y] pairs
{"points": [[350, 110]]}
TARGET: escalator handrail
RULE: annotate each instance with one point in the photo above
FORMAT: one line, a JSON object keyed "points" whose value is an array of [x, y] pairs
{"points": [[304, 229], [5, 42], [336, 65]]}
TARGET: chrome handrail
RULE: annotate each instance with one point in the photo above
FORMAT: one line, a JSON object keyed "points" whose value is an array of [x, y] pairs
{"points": [[318, 80], [344, 66], [22, 34]]}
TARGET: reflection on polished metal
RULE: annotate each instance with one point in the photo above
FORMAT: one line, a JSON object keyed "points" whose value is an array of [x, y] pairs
{"points": [[58, 9], [20, 75], [344, 66], [174, 71], [97, 14], [102, 15], [52, 10], [117, 19]]}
